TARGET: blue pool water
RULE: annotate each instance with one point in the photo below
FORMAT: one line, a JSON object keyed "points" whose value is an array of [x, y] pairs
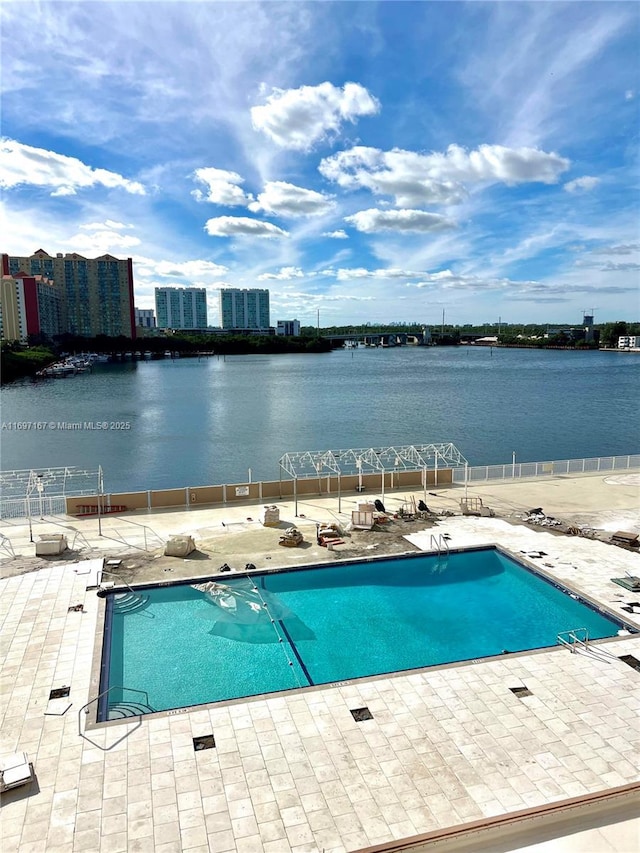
{"points": [[186, 647]]}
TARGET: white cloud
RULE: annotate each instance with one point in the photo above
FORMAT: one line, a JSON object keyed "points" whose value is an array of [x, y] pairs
{"points": [[108, 223], [222, 187], [448, 280], [359, 272], [285, 274], [373, 220], [188, 269], [340, 234], [298, 118], [62, 191], [629, 95], [283, 199], [437, 178], [99, 242], [586, 183], [233, 226], [24, 164]]}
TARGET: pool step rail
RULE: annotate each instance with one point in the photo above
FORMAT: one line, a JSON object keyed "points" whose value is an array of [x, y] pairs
{"points": [[576, 639], [440, 545]]}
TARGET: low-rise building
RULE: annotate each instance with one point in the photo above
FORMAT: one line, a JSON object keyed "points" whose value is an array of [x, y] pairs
{"points": [[291, 328], [629, 342]]}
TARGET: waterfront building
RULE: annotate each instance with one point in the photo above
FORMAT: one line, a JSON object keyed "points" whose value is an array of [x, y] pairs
{"points": [[290, 328], [96, 293], [145, 318], [181, 307], [245, 310], [629, 342], [30, 306]]}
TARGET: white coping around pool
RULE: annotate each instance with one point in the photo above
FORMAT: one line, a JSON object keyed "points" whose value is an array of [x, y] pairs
{"points": [[295, 772]]}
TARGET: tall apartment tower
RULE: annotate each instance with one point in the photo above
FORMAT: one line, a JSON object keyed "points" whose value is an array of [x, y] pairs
{"points": [[30, 306], [244, 309], [181, 307], [97, 293]]}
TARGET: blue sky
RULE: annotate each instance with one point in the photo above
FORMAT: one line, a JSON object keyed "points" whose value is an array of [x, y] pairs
{"points": [[375, 162]]}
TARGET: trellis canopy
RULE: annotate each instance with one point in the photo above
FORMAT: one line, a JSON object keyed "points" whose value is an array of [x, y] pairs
{"points": [[369, 460]]}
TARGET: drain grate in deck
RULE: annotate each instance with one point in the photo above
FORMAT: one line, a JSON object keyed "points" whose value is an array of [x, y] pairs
{"points": [[520, 692], [204, 742], [634, 663], [59, 692], [360, 714]]}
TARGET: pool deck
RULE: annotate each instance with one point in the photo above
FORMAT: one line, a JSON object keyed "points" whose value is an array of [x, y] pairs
{"points": [[447, 747]]}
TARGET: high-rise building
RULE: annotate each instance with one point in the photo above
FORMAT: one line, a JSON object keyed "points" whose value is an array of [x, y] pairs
{"points": [[97, 293], [181, 307], [244, 309], [145, 318], [30, 306], [291, 328]]}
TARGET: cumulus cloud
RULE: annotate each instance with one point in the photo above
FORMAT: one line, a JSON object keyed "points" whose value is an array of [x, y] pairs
{"points": [[372, 220], [282, 199], [285, 274], [584, 184], [235, 226], [100, 242], [188, 269], [23, 164], [298, 118], [340, 234], [439, 177], [222, 187]]}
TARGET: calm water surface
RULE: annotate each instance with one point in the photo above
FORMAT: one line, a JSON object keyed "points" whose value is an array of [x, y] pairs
{"points": [[199, 422]]}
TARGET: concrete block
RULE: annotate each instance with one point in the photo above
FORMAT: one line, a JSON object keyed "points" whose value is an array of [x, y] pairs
{"points": [[179, 546], [51, 544]]}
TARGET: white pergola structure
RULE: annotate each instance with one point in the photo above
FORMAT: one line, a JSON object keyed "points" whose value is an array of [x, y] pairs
{"points": [[33, 491], [358, 461]]}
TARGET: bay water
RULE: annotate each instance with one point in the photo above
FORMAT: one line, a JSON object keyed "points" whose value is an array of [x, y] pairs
{"points": [[191, 422]]}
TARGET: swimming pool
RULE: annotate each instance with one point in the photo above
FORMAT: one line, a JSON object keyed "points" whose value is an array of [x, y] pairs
{"points": [[186, 644]]}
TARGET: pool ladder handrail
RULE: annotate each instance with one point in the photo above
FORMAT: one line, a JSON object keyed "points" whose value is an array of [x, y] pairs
{"points": [[439, 543], [102, 572], [572, 640]]}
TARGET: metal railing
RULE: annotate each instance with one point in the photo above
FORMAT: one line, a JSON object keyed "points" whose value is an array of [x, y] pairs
{"points": [[578, 638], [439, 543], [111, 532], [35, 506], [522, 470]]}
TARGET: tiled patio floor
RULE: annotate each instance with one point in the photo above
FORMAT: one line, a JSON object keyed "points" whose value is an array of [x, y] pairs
{"points": [[297, 772]]}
